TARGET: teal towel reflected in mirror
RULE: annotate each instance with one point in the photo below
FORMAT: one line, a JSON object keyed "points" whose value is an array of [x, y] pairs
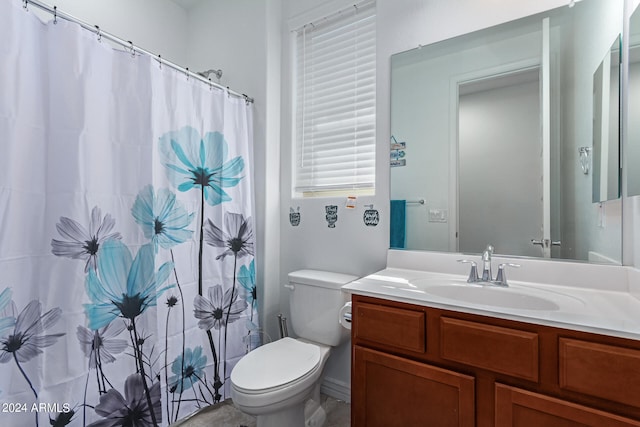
{"points": [[398, 227]]}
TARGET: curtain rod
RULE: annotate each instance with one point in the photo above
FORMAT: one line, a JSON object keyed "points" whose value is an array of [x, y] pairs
{"points": [[128, 45], [355, 6]]}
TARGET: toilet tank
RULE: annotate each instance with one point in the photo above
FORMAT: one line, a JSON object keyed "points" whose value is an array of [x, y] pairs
{"points": [[315, 299]]}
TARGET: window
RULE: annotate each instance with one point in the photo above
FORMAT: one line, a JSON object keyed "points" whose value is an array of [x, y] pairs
{"points": [[335, 102]]}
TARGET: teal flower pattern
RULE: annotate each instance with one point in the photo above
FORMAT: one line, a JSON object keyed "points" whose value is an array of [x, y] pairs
{"points": [[122, 286], [247, 279], [6, 321], [187, 370], [162, 217], [193, 161]]}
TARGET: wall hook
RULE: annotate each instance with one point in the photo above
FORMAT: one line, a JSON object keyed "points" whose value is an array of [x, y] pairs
{"points": [[585, 158]]}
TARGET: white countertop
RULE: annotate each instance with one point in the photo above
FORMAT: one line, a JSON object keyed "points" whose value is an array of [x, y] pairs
{"points": [[610, 309]]}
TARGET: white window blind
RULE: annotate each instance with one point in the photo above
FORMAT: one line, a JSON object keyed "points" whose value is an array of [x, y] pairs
{"points": [[335, 101]]}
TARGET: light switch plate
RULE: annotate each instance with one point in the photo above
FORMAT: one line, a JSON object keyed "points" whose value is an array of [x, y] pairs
{"points": [[438, 215]]}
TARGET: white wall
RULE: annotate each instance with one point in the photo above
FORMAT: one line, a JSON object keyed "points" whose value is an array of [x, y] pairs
{"points": [[350, 247], [159, 26]]}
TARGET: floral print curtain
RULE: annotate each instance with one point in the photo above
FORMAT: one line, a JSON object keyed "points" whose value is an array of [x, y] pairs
{"points": [[127, 272]]}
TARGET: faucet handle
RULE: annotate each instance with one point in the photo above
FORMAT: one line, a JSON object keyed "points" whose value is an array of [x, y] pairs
{"points": [[501, 277], [473, 274]]}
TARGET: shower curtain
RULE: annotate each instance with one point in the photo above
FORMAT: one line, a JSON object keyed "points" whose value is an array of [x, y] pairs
{"points": [[127, 275]]}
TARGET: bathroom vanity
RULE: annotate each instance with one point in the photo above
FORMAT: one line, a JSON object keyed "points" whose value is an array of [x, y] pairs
{"points": [[528, 355]]}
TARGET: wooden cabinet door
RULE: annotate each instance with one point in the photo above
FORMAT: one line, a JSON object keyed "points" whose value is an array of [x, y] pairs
{"points": [[389, 391], [520, 408]]}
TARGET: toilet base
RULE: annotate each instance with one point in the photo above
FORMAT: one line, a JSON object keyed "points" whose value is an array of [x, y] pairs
{"points": [[314, 414], [293, 416]]}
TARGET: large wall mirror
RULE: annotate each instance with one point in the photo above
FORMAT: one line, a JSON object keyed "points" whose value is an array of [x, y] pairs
{"points": [[606, 126], [501, 136], [633, 117]]}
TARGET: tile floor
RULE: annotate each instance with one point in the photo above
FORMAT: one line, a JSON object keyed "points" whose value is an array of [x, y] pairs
{"points": [[224, 414]]}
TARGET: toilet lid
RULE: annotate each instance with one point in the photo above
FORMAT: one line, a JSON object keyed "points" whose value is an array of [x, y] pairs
{"points": [[275, 364]]}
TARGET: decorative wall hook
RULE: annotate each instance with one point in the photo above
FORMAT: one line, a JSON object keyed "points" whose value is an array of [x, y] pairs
{"points": [[585, 158], [294, 216], [331, 215], [371, 216]]}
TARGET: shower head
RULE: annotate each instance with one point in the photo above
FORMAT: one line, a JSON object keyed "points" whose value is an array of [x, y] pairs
{"points": [[207, 74]]}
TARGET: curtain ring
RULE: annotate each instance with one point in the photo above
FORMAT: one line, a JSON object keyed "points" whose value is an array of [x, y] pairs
{"points": [[228, 92], [160, 61], [133, 51], [210, 85], [186, 73], [55, 15], [25, 4], [99, 33]]}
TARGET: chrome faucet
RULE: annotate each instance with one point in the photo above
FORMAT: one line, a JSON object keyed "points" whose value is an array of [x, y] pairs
{"points": [[501, 277], [487, 276], [473, 274]]}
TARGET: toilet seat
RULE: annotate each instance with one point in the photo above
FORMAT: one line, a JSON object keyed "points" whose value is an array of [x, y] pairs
{"points": [[275, 365]]}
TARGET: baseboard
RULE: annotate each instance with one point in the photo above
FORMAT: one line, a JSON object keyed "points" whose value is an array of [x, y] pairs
{"points": [[336, 389]]}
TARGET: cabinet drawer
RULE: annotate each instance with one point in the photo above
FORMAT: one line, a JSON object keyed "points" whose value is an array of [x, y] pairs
{"points": [[397, 327], [520, 408], [390, 390], [503, 350], [600, 370]]}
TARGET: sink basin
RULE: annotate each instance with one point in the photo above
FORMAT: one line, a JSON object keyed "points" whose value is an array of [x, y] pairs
{"points": [[493, 296]]}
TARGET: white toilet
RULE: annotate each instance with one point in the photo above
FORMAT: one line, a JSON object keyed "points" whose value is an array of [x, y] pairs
{"points": [[275, 382]]}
